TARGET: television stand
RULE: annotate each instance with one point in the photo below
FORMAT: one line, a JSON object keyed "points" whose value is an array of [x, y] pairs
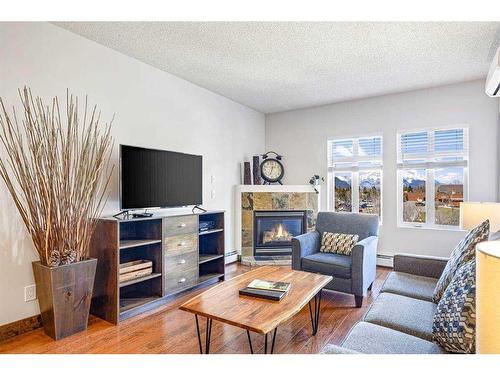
{"points": [[182, 258]]}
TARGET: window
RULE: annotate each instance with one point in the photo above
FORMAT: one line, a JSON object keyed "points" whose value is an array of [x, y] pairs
{"points": [[432, 167], [355, 174], [343, 191]]}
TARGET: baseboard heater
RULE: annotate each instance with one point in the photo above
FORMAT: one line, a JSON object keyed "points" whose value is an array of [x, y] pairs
{"points": [[231, 257], [385, 260]]}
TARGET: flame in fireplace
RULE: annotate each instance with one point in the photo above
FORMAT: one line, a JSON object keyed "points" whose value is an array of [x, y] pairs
{"points": [[277, 234], [280, 231]]}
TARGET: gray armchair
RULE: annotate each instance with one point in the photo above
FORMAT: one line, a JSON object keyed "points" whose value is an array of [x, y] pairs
{"points": [[352, 274]]}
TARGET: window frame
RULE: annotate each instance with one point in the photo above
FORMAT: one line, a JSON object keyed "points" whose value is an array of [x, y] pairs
{"points": [[430, 168], [355, 171]]}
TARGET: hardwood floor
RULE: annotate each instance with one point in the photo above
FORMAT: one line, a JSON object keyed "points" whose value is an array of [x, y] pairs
{"points": [[170, 330]]}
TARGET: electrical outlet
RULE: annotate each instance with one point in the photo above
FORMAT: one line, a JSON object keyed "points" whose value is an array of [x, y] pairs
{"points": [[212, 179], [29, 293], [213, 194]]}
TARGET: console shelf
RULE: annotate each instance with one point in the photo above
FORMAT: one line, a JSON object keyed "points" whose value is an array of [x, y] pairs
{"points": [[211, 231], [208, 258], [127, 304], [127, 244], [211, 248], [139, 279], [182, 257], [210, 276]]}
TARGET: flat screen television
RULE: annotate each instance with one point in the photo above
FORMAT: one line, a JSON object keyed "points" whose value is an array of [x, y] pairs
{"points": [[157, 178]]}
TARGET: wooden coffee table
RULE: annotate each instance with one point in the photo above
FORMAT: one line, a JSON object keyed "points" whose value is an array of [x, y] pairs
{"points": [[224, 304]]}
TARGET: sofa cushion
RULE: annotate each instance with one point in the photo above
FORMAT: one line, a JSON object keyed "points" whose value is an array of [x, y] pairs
{"points": [[404, 314], [409, 285], [338, 243], [464, 252], [328, 264], [370, 338], [454, 325]]}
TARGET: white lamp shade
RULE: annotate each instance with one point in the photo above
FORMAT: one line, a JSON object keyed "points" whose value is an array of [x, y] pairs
{"points": [[488, 297], [474, 213]]}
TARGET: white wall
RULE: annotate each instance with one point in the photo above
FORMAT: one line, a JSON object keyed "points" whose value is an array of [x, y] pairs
{"points": [[301, 136], [153, 109]]}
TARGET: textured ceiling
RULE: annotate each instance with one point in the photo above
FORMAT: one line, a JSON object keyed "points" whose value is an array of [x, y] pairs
{"points": [[277, 66]]}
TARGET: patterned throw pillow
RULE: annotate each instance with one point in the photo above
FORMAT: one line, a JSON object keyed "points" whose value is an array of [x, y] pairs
{"points": [[454, 326], [465, 251], [338, 243]]}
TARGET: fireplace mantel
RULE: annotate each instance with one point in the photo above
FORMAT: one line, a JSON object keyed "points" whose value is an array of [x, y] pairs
{"points": [[270, 197], [276, 188]]}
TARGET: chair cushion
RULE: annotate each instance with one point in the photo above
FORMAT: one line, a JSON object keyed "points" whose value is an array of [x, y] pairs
{"points": [[328, 264], [454, 325], [464, 252], [338, 243], [406, 284], [370, 338], [404, 314]]}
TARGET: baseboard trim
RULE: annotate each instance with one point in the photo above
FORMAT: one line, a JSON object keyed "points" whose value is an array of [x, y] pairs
{"points": [[19, 327]]}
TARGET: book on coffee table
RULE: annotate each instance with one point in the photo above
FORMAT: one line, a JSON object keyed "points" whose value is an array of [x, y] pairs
{"points": [[277, 286], [260, 293], [273, 290]]}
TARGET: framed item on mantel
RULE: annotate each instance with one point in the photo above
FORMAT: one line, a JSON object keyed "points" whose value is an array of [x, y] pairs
{"points": [[256, 171], [247, 174]]}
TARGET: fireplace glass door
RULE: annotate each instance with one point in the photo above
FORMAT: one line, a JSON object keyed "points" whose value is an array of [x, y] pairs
{"points": [[274, 231]]}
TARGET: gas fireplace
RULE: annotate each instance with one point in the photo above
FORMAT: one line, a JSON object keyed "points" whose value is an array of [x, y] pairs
{"points": [[274, 230]]}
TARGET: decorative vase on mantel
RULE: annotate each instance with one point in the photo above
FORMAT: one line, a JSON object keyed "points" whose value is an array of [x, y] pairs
{"points": [[56, 172], [315, 181]]}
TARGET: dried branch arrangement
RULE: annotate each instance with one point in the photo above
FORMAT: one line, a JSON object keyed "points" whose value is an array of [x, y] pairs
{"points": [[56, 170]]}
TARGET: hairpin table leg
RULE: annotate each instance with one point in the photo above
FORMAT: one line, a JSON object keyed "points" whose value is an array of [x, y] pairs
{"points": [[274, 339], [265, 341], [207, 335], [249, 341], [315, 316]]}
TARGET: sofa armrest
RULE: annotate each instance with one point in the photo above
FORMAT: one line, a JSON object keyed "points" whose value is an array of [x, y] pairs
{"points": [[303, 245], [427, 266], [364, 264], [335, 349]]}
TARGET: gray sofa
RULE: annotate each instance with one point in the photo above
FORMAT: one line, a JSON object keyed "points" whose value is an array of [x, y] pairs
{"points": [[400, 319], [351, 274]]}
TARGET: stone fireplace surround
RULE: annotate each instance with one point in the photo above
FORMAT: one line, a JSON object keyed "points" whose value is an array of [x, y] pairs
{"points": [[250, 198]]}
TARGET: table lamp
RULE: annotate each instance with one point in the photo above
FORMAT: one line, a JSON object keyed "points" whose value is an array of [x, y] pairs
{"points": [[474, 213], [488, 297]]}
